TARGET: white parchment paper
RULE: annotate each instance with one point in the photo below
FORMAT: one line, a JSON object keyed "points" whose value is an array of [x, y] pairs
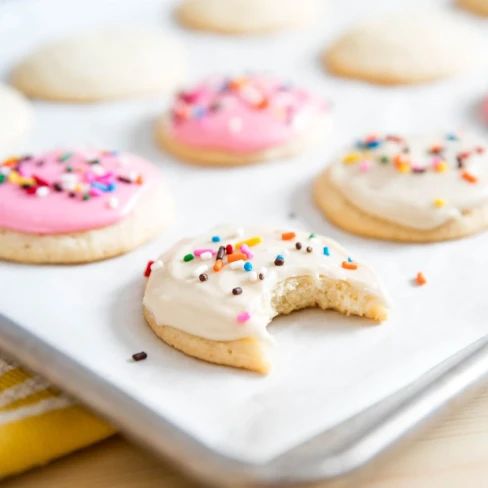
{"points": [[329, 367]]}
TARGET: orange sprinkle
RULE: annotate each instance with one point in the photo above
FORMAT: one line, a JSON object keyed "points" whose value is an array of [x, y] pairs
{"points": [[235, 256], [288, 236], [263, 103], [237, 83], [9, 161], [469, 177], [348, 265], [218, 265], [420, 279], [140, 180]]}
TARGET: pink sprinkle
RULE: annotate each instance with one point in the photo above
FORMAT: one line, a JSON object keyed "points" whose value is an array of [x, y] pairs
{"points": [[365, 166], [245, 249], [23, 172], [243, 317], [89, 176], [95, 192], [436, 160], [199, 252], [106, 179]]}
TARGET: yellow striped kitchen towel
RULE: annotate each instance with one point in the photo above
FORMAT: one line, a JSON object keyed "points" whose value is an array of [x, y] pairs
{"points": [[38, 423]]}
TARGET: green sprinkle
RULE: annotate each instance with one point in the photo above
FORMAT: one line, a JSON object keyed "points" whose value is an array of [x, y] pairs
{"points": [[384, 159], [311, 236], [188, 257], [2, 177], [65, 157], [86, 197], [69, 169]]}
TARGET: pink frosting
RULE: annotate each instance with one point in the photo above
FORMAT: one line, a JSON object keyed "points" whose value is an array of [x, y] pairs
{"points": [[70, 191], [243, 114]]}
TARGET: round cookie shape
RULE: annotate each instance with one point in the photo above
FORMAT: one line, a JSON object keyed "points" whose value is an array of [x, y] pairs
{"points": [[213, 296], [78, 205], [479, 7], [421, 188], [15, 115], [241, 120], [406, 47], [247, 16], [102, 65]]}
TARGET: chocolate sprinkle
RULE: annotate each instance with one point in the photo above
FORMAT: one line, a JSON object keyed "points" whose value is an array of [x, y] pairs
{"points": [[279, 262], [139, 356], [220, 253], [203, 277], [261, 276], [309, 249], [237, 290], [298, 245], [124, 179], [58, 187]]}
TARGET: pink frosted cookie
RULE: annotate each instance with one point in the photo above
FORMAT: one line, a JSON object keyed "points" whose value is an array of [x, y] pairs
{"points": [[79, 206], [241, 120]]}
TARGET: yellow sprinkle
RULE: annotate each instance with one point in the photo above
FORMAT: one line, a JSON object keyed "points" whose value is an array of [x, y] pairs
{"points": [[26, 181], [439, 202], [441, 167], [353, 157], [250, 242], [14, 177], [404, 168]]}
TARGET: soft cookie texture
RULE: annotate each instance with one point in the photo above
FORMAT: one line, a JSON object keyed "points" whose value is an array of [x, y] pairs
{"points": [[479, 7], [212, 296], [241, 120], [15, 116], [406, 47], [420, 188], [102, 65], [79, 206], [247, 16]]}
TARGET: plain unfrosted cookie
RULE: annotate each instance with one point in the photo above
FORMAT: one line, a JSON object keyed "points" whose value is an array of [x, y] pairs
{"points": [[479, 7], [247, 16], [421, 188], [406, 47], [213, 296], [15, 116], [102, 65], [241, 120], [79, 206]]}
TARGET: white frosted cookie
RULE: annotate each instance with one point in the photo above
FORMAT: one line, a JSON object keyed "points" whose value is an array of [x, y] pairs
{"points": [[241, 120], [102, 65], [213, 296], [247, 16], [79, 206], [423, 188], [15, 116], [479, 7], [406, 47]]}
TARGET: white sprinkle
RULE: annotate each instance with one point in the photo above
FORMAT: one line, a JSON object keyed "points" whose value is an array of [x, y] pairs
{"points": [[113, 202], [235, 124], [201, 269], [239, 232], [98, 169], [263, 270], [253, 276], [157, 265], [68, 185], [132, 176], [42, 191], [206, 255], [5, 170], [237, 264], [69, 178]]}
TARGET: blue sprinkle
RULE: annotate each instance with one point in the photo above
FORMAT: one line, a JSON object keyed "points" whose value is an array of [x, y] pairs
{"points": [[198, 112], [372, 144], [349, 259], [111, 187], [100, 186], [215, 239], [280, 256], [114, 153], [248, 266], [326, 251], [451, 137]]}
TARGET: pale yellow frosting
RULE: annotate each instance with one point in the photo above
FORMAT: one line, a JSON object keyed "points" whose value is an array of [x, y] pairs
{"points": [[175, 296]]}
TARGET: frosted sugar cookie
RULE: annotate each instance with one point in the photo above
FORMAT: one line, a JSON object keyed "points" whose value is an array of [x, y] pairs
{"points": [[78, 206], [227, 121], [420, 188], [406, 47], [479, 7], [15, 116], [247, 16], [102, 65], [213, 296]]}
